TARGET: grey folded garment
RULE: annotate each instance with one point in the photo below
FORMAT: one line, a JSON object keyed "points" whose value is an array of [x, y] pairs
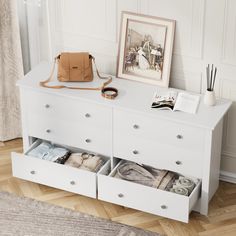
{"points": [[167, 181], [143, 175], [50, 152], [85, 161]]}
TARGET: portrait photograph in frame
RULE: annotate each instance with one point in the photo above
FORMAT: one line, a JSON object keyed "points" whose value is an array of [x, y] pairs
{"points": [[145, 48]]}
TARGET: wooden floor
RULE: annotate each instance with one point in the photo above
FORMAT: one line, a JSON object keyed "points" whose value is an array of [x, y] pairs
{"points": [[220, 221]]}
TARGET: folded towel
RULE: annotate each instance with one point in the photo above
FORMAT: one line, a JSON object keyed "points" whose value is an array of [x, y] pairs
{"points": [[186, 183], [179, 190]]}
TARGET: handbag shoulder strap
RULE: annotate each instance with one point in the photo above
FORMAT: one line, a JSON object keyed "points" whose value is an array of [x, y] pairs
{"points": [[45, 82]]}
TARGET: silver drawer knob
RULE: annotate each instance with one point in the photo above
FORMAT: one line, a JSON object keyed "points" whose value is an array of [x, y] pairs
{"points": [[32, 172], [72, 182], [88, 140], [120, 195], [179, 136], [48, 131], [47, 106], [135, 152], [87, 115], [163, 207], [178, 163], [135, 126]]}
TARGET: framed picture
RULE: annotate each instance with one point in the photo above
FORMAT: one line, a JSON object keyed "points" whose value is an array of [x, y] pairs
{"points": [[145, 48]]}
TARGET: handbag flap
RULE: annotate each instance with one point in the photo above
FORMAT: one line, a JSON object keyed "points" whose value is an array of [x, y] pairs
{"points": [[75, 66], [64, 61], [79, 61]]}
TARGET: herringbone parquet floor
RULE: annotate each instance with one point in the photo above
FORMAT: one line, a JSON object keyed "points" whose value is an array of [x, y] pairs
{"points": [[220, 221]]}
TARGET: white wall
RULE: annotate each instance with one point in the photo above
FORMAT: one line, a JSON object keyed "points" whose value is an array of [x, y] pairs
{"points": [[205, 33]]}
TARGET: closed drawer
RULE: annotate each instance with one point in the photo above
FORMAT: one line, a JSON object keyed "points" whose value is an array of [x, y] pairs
{"points": [[158, 130], [145, 198], [54, 175], [85, 137], [162, 156], [44, 106]]}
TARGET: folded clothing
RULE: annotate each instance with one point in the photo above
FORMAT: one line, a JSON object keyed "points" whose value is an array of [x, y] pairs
{"points": [[50, 152], [145, 175], [149, 176], [85, 161]]}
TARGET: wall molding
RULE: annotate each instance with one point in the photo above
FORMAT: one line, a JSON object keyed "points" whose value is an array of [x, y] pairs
{"points": [[109, 12], [228, 176], [228, 154], [229, 24], [193, 44]]}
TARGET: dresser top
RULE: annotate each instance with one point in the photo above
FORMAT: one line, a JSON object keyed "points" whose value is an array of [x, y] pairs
{"points": [[133, 96]]}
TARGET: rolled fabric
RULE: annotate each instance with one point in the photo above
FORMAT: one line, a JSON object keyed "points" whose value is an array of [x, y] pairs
{"points": [[179, 190], [186, 183]]}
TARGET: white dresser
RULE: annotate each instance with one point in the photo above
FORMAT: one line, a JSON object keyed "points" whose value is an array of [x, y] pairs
{"points": [[122, 129]]}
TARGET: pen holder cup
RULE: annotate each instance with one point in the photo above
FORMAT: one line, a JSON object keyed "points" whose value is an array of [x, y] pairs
{"points": [[210, 98]]}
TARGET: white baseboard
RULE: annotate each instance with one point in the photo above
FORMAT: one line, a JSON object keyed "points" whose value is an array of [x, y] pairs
{"points": [[228, 176]]}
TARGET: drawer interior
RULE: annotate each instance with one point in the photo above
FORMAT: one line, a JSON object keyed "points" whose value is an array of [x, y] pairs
{"points": [[77, 180], [131, 194], [37, 142], [112, 173]]}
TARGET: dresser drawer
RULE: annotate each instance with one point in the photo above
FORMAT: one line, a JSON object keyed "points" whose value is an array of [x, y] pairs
{"points": [[81, 113], [146, 198], [163, 156], [85, 137], [158, 130], [53, 174]]}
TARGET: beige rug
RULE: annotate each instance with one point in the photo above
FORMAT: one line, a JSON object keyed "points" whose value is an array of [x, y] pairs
{"points": [[23, 216]]}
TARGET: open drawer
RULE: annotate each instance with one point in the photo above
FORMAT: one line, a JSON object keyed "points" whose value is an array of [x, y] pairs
{"points": [[144, 198], [53, 174]]}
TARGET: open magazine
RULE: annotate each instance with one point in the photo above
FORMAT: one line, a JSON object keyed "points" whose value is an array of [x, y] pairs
{"points": [[175, 101]]}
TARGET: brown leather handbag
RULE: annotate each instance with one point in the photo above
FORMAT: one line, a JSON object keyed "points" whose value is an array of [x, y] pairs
{"points": [[74, 67]]}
